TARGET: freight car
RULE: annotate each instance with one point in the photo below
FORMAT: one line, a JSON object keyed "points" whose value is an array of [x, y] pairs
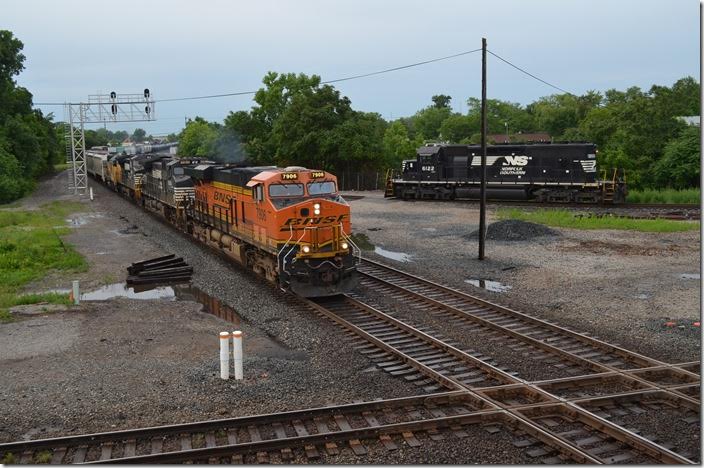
{"points": [[542, 172], [290, 225]]}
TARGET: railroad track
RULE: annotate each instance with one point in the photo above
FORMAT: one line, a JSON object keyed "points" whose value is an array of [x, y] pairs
{"points": [[558, 407], [281, 437]]}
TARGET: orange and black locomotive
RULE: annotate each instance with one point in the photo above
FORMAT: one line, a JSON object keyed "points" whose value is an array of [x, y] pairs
{"points": [[290, 225]]}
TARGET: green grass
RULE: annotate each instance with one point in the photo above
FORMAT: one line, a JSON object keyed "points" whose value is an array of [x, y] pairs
{"points": [[30, 247], [574, 220], [8, 459], [664, 196], [61, 167], [42, 457]]}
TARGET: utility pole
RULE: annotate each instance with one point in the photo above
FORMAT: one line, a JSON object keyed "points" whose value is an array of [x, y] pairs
{"points": [[482, 189]]}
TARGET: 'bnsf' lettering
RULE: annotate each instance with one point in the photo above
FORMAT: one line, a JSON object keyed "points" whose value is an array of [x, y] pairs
{"points": [[223, 197], [312, 221]]}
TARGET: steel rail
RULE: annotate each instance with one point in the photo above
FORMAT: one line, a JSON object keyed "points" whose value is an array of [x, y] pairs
{"points": [[621, 352], [215, 424], [604, 426]]}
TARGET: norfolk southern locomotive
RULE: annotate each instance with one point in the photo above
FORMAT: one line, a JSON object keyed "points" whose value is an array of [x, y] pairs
{"points": [[289, 225], [541, 172]]}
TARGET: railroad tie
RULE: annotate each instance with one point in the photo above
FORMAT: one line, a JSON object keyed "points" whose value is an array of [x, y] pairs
{"points": [[301, 431], [410, 439], [79, 455], [106, 450], [330, 447], [58, 455], [130, 448], [156, 444], [355, 444]]}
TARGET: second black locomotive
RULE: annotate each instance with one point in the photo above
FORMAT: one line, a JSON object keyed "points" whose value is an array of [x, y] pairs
{"points": [[553, 172]]}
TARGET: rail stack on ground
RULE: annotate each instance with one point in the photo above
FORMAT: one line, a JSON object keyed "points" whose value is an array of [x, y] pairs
{"points": [[168, 268]]}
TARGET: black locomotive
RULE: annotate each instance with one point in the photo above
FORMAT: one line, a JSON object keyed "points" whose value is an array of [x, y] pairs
{"points": [[560, 172]]}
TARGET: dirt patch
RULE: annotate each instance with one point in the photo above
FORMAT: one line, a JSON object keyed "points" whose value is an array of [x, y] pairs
{"points": [[620, 248]]}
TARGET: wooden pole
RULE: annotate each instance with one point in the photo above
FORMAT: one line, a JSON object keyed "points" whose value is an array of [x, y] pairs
{"points": [[482, 189]]}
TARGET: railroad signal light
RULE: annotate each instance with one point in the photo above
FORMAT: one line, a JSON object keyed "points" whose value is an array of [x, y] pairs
{"points": [[146, 93], [147, 110], [113, 95], [114, 109]]}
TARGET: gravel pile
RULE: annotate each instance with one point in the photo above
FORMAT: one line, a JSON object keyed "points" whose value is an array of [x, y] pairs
{"points": [[515, 230]]}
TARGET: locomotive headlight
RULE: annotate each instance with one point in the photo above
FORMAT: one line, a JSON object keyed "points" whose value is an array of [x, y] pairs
{"points": [[306, 249], [316, 212], [316, 206], [344, 246]]}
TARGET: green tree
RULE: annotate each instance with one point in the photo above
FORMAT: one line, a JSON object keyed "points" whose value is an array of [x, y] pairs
{"points": [[498, 114], [458, 128], [198, 138], [138, 135], [559, 112], [441, 100], [680, 165], [398, 145], [427, 122]]}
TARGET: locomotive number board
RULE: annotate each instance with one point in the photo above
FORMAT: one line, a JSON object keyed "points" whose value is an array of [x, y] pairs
{"points": [[317, 174], [289, 176]]}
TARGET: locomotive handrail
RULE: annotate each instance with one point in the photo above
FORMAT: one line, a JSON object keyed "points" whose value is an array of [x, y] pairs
{"points": [[352, 243]]}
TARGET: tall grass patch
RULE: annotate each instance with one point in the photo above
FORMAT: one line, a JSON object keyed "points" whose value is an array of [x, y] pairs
{"points": [[685, 196], [30, 247], [576, 220]]}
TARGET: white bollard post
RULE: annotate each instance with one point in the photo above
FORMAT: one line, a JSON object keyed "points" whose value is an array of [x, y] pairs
{"points": [[224, 355], [76, 293], [237, 353], [90, 189]]}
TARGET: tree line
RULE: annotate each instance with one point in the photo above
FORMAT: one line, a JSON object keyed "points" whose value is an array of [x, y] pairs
{"points": [[29, 142], [296, 120]]}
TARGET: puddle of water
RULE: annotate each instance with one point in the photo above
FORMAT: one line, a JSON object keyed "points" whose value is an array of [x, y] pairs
{"points": [[80, 220], [493, 286], [642, 296], [122, 290], [398, 256], [263, 345], [695, 276]]}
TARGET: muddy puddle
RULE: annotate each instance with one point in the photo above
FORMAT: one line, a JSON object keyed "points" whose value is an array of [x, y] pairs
{"points": [[398, 256], [493, 286], [692, 276], [262, 345], [82, 219]]}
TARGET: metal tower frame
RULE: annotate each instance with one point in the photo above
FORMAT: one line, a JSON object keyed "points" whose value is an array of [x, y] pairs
{"points": [[100, 108]]}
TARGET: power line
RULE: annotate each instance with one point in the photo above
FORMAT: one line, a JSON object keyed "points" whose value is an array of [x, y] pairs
{"points": [[243, 93], [529, 74]]}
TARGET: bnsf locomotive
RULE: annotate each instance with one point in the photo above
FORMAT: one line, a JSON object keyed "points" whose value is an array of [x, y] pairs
{"points": [[289, 225], [542, 172]]}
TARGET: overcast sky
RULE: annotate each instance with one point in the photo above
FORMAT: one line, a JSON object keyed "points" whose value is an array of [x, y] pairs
{"points": [[190, 48]]}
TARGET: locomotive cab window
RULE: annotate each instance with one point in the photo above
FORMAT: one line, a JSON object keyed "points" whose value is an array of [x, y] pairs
{"points": [[178, 171], [321, 188], [286, 190], [258, 192]]}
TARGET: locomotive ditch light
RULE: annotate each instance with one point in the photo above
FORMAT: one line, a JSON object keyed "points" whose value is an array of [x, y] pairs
{"points": [[306, 249], [344, 246]]}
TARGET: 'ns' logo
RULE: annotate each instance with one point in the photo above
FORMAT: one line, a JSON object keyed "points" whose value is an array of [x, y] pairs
{"points": [[515, 160]]}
